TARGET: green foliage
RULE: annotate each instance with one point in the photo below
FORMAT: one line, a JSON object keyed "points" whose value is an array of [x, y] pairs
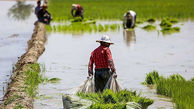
{"points": [[165, 23], [192, 79], [54, 80], [19, 106], [152, 77], [11, 99], [181, 91], [109, 97], [144, 102], [170, 30], [77, 19], [177, 77], [114, 9], [110, 100], [33, 78], [108, 106], [82, 27], [151, 20], [149, 27]]}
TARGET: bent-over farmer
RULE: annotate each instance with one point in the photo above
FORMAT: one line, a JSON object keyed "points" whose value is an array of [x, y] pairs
{"points": [[129, 19], [104, 65], [77, 11]]}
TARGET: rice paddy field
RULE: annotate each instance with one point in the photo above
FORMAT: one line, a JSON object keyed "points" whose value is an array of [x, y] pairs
{"points": [[162, 40], [115, 9], [175, 86]]}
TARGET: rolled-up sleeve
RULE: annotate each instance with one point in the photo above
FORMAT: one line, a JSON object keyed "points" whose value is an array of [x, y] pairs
{"points": [[110, 60]]}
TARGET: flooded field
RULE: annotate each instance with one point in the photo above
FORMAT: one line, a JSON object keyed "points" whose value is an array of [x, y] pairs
{"points": [[16, 29], [135, 53]]}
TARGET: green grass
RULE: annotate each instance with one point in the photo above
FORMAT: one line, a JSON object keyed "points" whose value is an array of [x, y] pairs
{"points": [[110, 100], [19, 106], [33, 79], [149, 28], [175, 86], [151, 20], [11, 99], [82, 27], [170, 30], [114, 9], [166, 25]]}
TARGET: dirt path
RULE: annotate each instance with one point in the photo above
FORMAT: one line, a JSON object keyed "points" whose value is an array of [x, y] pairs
{"points": [[15, 95]]}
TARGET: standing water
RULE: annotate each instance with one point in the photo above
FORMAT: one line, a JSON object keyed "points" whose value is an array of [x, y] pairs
{"points": [[135, 53], [17, 23]]}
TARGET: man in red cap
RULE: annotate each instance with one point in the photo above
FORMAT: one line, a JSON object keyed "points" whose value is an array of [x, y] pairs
{"points": [[104, 65], [79, 11]]}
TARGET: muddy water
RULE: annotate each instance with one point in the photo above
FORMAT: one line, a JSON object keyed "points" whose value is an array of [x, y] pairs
{"points": [[16, 29], [135, 53]]}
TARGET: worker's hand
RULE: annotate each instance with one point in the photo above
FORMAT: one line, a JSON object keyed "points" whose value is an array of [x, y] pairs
{"points": [[114, 75], [45, 20], [90, 74]]}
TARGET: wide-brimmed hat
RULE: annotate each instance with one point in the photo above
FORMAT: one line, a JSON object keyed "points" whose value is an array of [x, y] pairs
{"points": [[74, 5], [45, 5], [106, 39]]}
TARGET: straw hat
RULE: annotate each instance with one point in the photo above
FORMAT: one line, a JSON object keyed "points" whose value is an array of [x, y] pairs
{"points": [[45, 5], [105, 38]]}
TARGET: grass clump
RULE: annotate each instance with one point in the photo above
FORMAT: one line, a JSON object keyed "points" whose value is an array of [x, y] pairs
{"points": [[11, 99], [165, 23], [175, 86], [19, 106], [82, 27], [110, 100], [149, 27], [32, 80], [152, 78], [170, 30], [151, 20], [54, 80]]}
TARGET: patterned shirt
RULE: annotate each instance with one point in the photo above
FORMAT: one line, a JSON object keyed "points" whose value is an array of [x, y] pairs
{"points": [[102, 58]]}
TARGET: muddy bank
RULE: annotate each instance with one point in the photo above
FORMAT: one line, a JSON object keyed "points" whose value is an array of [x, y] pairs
{"points": [[16, 96]]}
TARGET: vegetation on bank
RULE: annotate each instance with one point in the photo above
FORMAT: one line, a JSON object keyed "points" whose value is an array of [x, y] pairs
{"points": [[175, 86], [115, 9], [33, 79], [110, 100]]}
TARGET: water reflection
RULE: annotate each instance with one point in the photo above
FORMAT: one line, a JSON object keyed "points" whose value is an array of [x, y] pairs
{"points": [[20, 11], [129, 36]]}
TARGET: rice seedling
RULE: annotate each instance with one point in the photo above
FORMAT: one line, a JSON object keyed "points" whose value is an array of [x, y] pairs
{"points": [[151, 20], [165, 23], [175, 86], [114, 9], [110, 100], [170, 30], [54, 80], [19, 106], [82, 27], [33, 79], [149, 27], [11, 99], [152, 77]]}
